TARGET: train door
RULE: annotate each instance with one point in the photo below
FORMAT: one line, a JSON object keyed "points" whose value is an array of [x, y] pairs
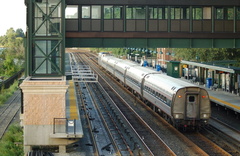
{"points": [[192, 107]]}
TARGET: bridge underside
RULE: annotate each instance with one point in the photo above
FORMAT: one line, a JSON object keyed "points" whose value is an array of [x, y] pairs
{"points": [[153, 42]]}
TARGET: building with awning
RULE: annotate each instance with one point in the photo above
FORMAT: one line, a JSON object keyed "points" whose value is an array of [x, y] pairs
{"points": [[221, 74]]}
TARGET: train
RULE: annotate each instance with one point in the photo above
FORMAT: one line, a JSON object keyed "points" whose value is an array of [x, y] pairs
{"points": [[181, 103]]}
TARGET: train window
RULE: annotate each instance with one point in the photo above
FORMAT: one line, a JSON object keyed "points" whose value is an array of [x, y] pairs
{"points": [[168, 102], [164, 99], [191, 98]]}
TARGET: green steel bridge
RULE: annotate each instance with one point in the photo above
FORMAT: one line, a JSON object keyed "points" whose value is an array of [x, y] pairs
{"points": [[53, 25]]}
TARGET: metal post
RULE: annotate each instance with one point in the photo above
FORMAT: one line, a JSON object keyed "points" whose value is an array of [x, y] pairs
{"points": [[66, 126], [74, 126], [54, 126]]}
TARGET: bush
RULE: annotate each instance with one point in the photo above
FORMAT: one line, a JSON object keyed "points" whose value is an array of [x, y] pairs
{"points": [[12, 142], [6, 93]]}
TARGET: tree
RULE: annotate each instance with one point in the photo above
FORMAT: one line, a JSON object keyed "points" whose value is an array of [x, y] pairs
{"points": [[19, 33], [14, 52], [12, 142], [207, 54], [9, 66]]}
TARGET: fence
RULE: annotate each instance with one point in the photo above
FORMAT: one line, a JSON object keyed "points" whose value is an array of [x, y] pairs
{"points": [[64, 125], [7, 83]]}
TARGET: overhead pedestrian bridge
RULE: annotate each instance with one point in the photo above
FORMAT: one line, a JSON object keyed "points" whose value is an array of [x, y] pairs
{"points": [[171, 23]]}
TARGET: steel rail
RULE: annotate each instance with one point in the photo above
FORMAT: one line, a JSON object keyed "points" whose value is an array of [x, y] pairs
{"points": [[167, 147]]}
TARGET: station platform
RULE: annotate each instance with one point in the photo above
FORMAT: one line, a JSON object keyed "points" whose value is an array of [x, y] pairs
{"points": [[71, 126], [225, 99], [74, 125]]}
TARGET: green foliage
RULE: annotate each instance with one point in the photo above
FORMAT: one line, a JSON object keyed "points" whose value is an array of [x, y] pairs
{"points": [[114, 51], [188, 54], [12, 58], [19, 33], [6, 93], [8, 65], [206, 54], [12, 142]]}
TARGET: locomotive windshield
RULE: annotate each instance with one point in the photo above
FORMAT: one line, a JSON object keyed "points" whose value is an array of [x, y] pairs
{"points": [[191, 98]]}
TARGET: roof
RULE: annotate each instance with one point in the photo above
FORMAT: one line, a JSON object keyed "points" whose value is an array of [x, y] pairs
{"points": [[228, 69]]}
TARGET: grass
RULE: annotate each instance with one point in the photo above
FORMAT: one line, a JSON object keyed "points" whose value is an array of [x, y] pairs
{"points": [[6, 93], [12, 142]]}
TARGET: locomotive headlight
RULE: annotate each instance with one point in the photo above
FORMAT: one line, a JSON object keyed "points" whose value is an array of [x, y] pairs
{"points": [[178, 116], [205, 115]]}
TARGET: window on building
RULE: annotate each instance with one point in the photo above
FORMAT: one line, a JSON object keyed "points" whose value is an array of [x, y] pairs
{"points": [[108, 12], [179, 13], [85, 11], [230, 13], [117, 14], [153, 12], [71, 12], [163, 13], [238, 13], [47, 57], [219, 13], [158, 12], [225, 13], [175, 13], [96, 12], [134, 12], [207, 13], [112, 12], [197, 13]]}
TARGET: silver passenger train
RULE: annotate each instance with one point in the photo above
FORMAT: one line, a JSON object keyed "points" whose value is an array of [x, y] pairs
{"points": [[181, 103]]}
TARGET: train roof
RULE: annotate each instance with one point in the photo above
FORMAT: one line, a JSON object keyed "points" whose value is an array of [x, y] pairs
{"points": [[169, 83], [157, 79]]}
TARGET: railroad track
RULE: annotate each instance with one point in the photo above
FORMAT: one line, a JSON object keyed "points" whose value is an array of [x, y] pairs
{"points": [[183, 152], [231, 132], [205, 144], [156, 145], [224, 136], [109, 118], [105, 136], [153, 142], [189, 142], [8, 111]]}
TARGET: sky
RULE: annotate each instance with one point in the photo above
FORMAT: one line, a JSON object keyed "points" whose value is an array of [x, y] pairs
{"points": [[12, 15]]}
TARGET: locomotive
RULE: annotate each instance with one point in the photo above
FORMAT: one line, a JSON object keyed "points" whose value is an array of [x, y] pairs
{"points": [[181, 103]]}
